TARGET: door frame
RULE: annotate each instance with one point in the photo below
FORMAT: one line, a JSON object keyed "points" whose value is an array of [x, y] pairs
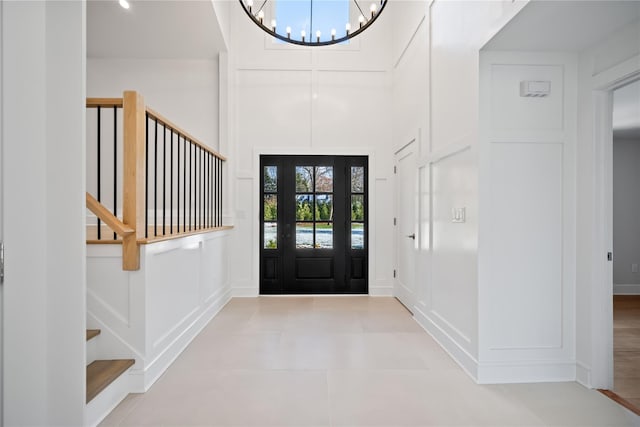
{"points": [[286, 255], [404, 296], [297, 151], [2, 180], [601, 308]]}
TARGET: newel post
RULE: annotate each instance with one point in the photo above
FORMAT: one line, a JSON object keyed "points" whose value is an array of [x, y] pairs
{"points": [[133, 180]]}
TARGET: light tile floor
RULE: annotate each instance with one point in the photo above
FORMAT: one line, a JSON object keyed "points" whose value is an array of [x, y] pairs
{"points": [[342, 361]]}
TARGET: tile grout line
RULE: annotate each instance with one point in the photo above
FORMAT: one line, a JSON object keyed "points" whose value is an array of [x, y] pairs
{"points": [[326, 373]]}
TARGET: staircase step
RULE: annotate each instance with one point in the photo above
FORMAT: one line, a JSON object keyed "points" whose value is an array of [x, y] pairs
{"points": [[101, 373], [92, 333]]}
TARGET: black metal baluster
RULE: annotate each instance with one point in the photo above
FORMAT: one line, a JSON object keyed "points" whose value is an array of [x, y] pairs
{"points": [[171, 190], [178, 189], [215, 191], [220, 207], [200, 188], [190, 182], [217, 207], [146, 178], [98, 170], [155, 181], [164, 176], [204, 188], [196, 188], [115, 166], [208, 191], [184, 185], [211, 188]]}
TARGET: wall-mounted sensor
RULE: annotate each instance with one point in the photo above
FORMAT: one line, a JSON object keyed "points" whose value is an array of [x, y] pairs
{"points": [[537, 89]]}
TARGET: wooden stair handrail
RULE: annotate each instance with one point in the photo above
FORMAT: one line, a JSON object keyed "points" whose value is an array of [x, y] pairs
{"points": [[133, 227], [107, 217], [130, 247], [169, 124], [104, 102]]}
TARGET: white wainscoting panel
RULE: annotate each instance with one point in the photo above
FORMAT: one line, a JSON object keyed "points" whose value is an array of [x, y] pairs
{"points": [[454, 277], [525, 246]]}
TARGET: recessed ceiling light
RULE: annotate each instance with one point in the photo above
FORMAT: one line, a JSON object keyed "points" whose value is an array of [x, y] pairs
{"points": [[124, 4]]}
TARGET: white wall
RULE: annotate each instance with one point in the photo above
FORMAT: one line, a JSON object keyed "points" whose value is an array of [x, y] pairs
{"points": [[184, 91], [294, 100], [152, 314], [626, 211], [435, 99], [43, 141], [527, 216]]}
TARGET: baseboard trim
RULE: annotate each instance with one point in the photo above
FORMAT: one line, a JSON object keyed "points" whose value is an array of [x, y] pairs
{"points": [[241, 292], [583, 374], [626, 289], [459, 355], [381, 291], [526, 372], [142, 380]]}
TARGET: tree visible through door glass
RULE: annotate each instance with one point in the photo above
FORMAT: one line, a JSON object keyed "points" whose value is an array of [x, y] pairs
{"points": [[314, 207], [357, 207], [270, 207], [304, 179]]}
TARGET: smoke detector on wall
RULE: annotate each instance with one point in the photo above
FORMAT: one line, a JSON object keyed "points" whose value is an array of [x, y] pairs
{"points": [[536, 89]]}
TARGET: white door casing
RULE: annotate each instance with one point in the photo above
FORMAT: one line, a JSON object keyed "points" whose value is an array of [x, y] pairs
{"points": [[406, 230], [1, 232], [602, 307]]}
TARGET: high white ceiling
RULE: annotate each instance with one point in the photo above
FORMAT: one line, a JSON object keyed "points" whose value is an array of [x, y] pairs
{"points": [[626, 111], [564, 25], [167, 29]]}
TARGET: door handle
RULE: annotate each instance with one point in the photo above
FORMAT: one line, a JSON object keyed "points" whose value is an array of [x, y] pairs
{"points": [[412, 236]]}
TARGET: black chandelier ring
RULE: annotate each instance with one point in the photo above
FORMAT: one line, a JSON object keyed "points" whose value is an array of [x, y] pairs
{"points": [[364, 22]]}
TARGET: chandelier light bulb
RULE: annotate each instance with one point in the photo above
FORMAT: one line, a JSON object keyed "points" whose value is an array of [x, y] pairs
{"points": [[261, 16], [124, 4], [348, 27], [303, 34], [318, 34], [374, 8], [250, 4], [361, 20], [288, 32], [333, 34], [273, 25]]}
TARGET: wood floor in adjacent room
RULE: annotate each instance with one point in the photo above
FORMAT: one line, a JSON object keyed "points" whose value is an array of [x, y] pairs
{"points": [[330, 361], [626, 348]]}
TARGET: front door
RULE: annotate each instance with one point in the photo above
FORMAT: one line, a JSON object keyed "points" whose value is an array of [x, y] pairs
{"points": [[313, 227]]}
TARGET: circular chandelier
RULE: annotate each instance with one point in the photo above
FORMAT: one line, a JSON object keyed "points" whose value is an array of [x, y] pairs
{"points": [[284, 33]]}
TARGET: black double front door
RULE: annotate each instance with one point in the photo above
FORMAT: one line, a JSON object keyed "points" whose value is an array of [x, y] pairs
{"points": [[314, 225]]}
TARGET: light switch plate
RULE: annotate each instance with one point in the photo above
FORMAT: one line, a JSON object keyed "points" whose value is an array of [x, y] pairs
{"points": [[458, 215]]}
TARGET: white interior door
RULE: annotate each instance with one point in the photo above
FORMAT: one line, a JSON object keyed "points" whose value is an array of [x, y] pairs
{"points": [[406, 229]]}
